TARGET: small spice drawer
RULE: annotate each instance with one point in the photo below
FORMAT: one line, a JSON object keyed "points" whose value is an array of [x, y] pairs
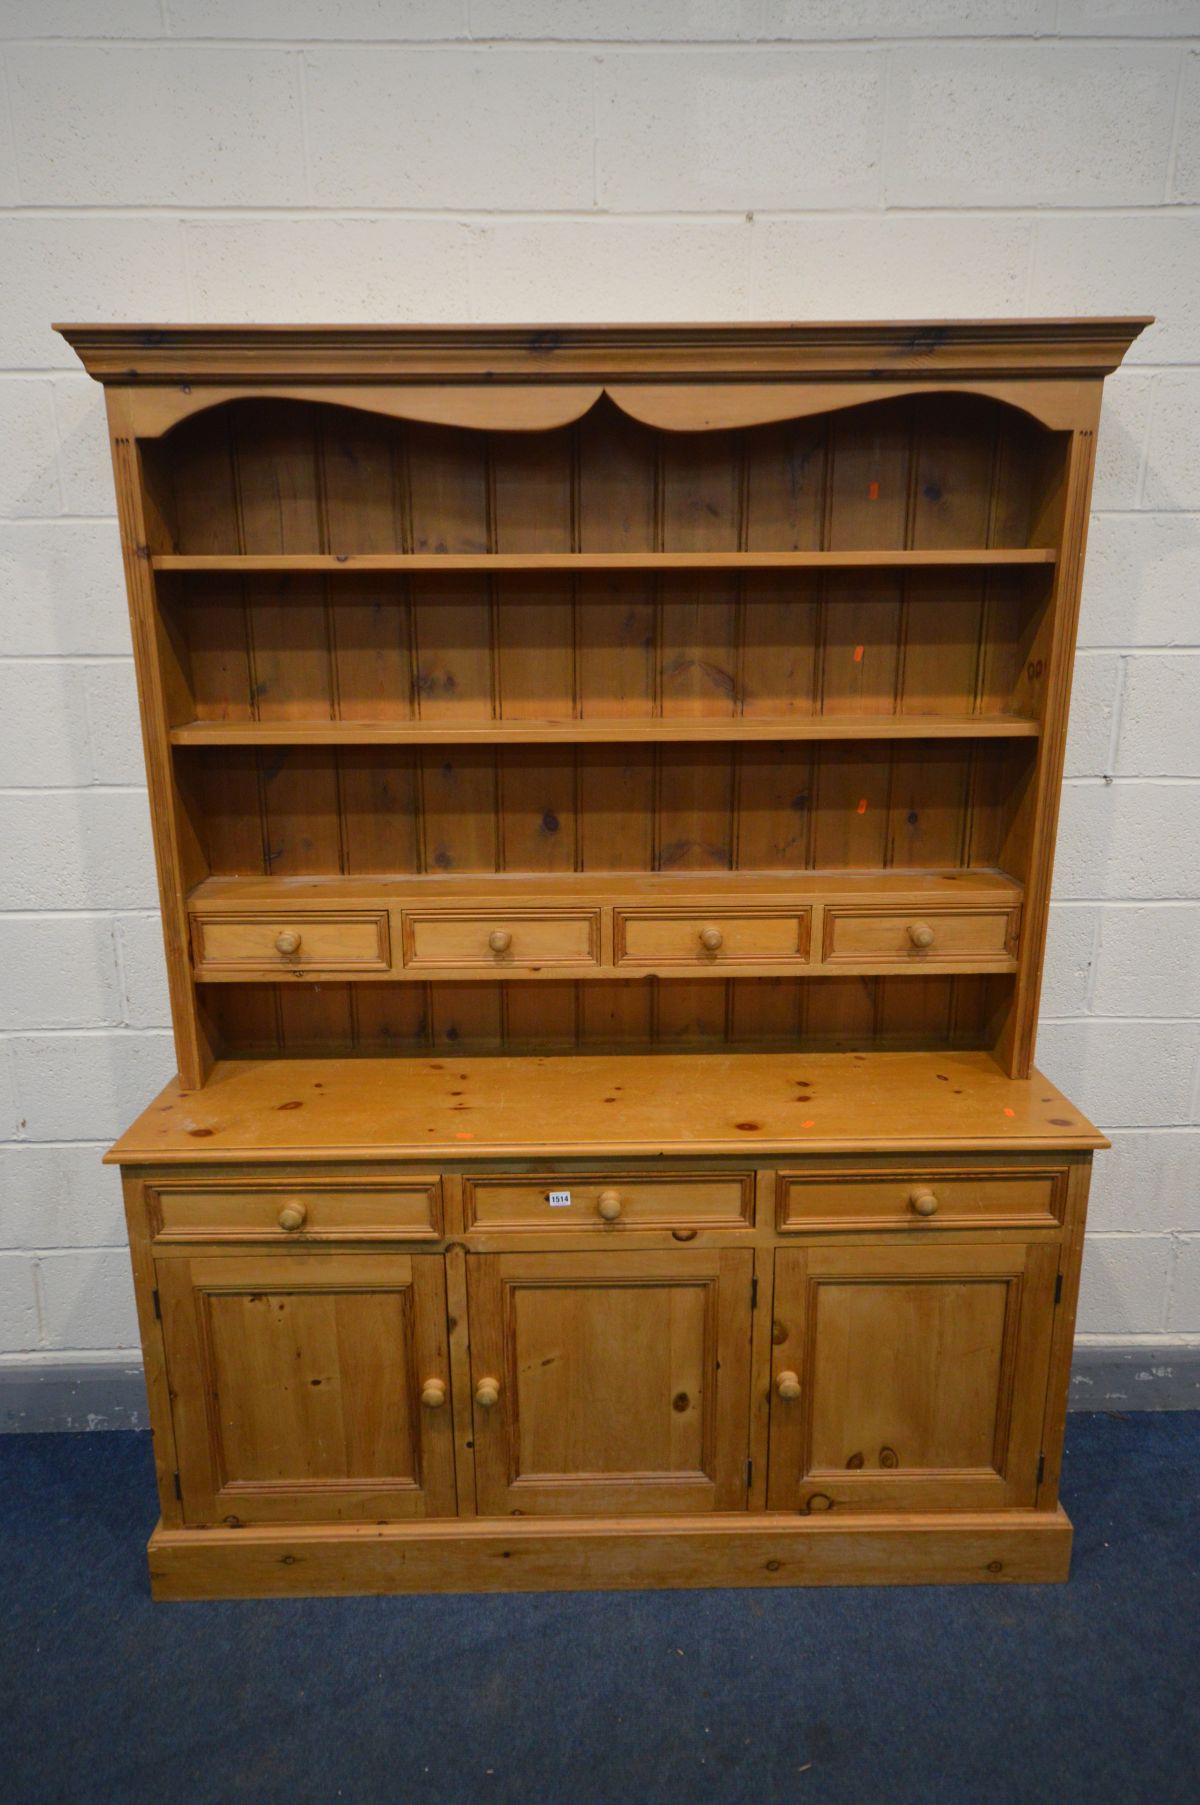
{"points": [[654, 937], [703, 1200], [919, 937], [384, 1209], [987, 1198], [502, 939], [304, 945]]}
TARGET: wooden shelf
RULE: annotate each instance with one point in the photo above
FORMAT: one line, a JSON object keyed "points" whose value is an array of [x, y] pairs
{"points": [[622, 732], [693, 1103], [720, 889], [327, 563]]}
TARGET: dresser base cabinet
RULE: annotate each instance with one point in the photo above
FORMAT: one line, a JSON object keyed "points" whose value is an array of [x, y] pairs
{"points": [[557, 1363]]}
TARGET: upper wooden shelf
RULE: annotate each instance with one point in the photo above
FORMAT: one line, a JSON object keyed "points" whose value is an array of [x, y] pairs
{"points": [[326, 562], [620, 731]]}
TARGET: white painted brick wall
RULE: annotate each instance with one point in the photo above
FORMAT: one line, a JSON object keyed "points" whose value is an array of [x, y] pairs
{"points": [[589, 159]]}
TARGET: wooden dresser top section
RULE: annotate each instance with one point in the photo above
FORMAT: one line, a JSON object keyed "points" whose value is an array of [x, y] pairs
{"points": [[596, 1106]]}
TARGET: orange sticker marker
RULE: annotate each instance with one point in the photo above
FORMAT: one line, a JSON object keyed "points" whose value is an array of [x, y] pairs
{"points": [[460, 1136], [1010, 1112], [807, 1124], [873, 492], [858, 652], [862, 807]]}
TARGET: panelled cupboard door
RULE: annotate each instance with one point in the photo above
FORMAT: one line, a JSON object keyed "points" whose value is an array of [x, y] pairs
{"points": [[612, 1382], [909, 1378], [309, 1386]]}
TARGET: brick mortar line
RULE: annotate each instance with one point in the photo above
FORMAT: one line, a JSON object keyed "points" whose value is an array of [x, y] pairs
{"points": [[362, 212], [52, 1249], [1049, 40]]}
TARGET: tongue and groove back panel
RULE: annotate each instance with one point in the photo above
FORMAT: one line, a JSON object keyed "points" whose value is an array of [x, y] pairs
{"points": [[625, 647]]}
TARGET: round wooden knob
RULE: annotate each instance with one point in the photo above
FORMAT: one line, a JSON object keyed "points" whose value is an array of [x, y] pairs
{"points": [[924, 1202], [292, 1216], [487, 1393], [287, 941], [711, 939], [920, 933], [433, 1394], [499, 940], [608, 1205], [788, 1386]]}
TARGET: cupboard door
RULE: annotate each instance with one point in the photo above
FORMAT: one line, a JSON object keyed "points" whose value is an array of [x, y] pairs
{"points": [[909, 1378], [309, 1386], [610, 1383]]}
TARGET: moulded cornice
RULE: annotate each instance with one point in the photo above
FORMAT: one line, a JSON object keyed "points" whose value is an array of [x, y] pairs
{"points": [[806, 351]]}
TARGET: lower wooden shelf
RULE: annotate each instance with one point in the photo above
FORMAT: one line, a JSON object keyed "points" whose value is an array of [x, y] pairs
{"points": [[618, 730], [764, 1549], [585, 1105]]}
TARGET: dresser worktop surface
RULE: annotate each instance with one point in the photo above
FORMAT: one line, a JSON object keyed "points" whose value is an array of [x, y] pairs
{"points": [[593, 1106]]}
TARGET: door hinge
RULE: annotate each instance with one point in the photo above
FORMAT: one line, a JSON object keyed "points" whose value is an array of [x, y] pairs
{"points": [[157, 1305], [754, 1293], [1058, 1289], [178, 1487], [749, 1473], [1041, 1472]]}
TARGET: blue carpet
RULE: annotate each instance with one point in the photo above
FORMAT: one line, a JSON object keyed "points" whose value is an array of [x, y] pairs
{"points": [[1079, 1694]]}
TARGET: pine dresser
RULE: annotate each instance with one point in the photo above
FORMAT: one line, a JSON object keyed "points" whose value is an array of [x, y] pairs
{"points": [[604, 786]]}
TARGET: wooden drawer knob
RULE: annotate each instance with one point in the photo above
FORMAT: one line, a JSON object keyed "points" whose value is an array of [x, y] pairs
{"points": [[920, 933], [499, 940], [287, 941], [788, 1386], [711, 939], [433, 1394], [608, 1205], [487, 1393], [293, 1216], [924, 1202]]}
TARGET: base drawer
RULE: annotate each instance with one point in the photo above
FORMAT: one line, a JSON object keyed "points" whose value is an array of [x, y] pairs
{"points": [[921, 1198], [706, 1200], [287, 1211]]}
